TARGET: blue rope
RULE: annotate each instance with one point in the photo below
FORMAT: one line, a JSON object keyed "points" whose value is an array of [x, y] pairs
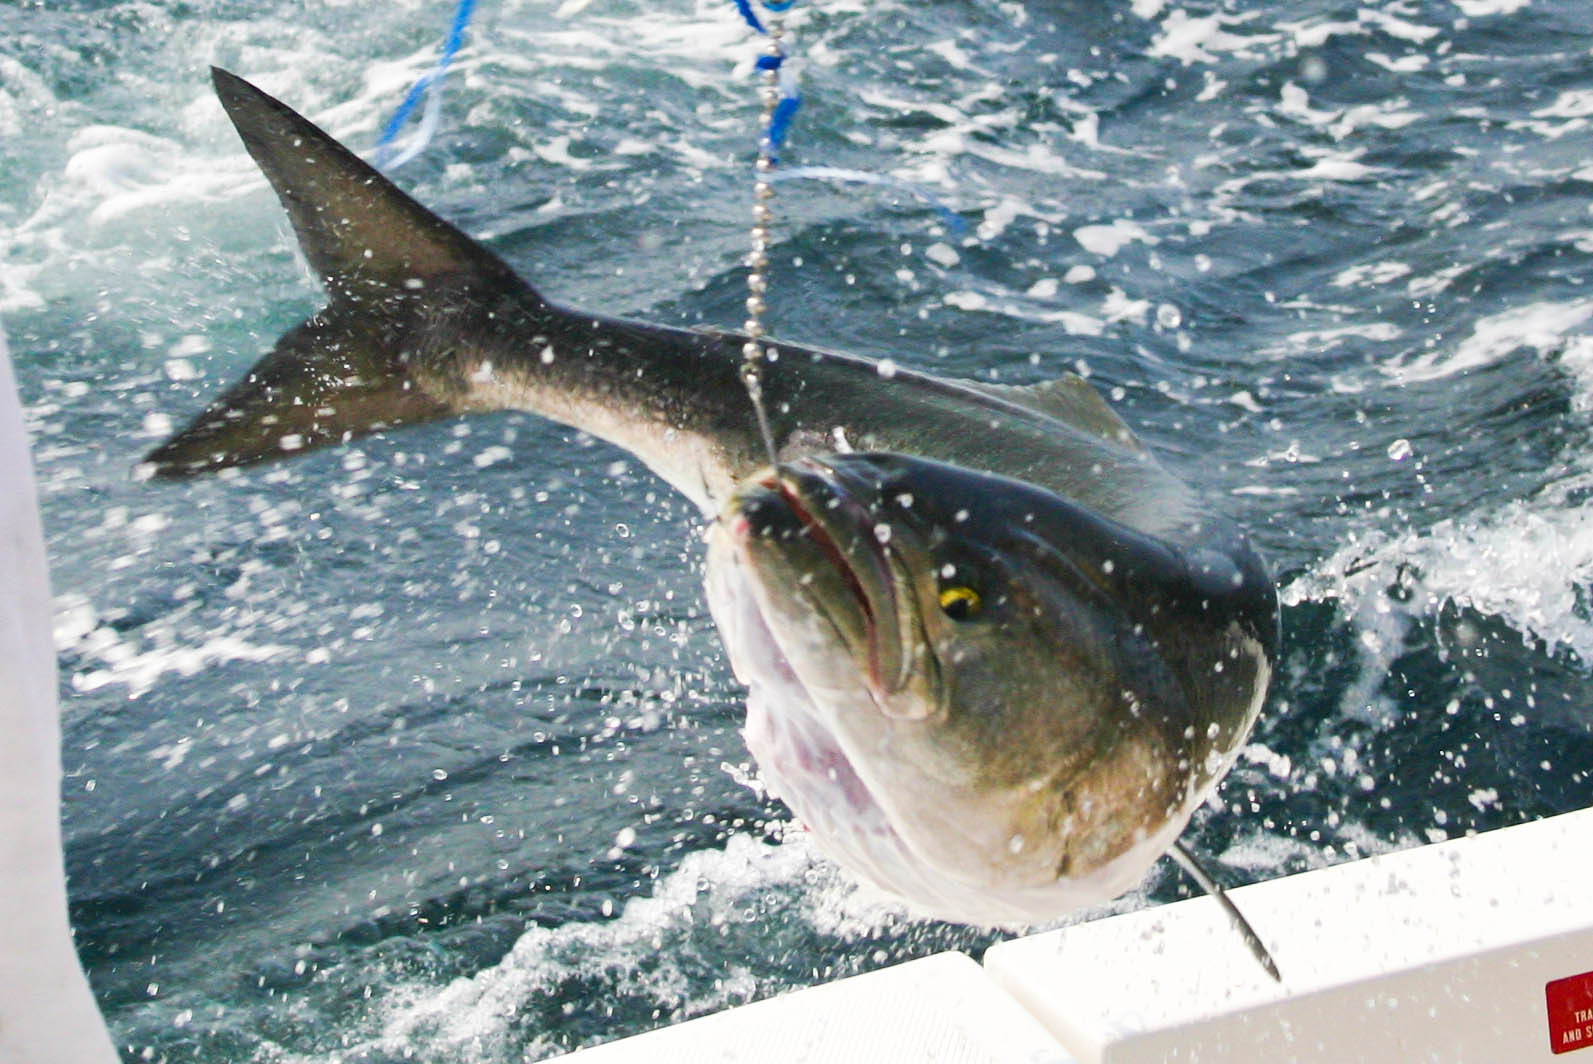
{"points": [[429, 86], [785, 111], [790, 98], [745, 7], [780, 124]]}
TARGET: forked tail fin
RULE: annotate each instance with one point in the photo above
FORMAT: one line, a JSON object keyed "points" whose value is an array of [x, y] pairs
{"points": [[392, 269]]}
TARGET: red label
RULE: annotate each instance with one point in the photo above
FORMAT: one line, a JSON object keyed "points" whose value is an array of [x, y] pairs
{"points": [[1570, 1012]]}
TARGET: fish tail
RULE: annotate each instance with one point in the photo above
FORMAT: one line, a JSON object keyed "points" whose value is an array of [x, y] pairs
{"points": [[402, 286]]}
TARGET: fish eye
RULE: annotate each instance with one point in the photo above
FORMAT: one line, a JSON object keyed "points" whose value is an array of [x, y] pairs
{"points": [[960, 603]]}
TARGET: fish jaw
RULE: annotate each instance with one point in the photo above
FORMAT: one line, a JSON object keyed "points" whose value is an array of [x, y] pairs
{"points": [[821, 536], [801, 759]]}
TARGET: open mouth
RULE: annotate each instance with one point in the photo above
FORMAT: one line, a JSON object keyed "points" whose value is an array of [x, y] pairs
{"points": [[828, 516]]}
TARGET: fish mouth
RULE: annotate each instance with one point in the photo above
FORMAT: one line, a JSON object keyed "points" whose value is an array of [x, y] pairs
{"points": [[810, 529]]}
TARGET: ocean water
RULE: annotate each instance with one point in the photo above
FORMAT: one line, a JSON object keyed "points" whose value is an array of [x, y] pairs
{"points": [[425, 748]]}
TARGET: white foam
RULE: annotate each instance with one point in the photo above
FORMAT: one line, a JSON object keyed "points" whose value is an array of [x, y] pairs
{"points": [[1385, 114], [1318, 340], [1119, 306], [1313, 34], [1328, 166], [1073, 322], [646, 952], [114, 179], [1576, 357], [1295, 102], [640, 951], [951, 52], [139, 670], [1540, 327], [139, 664], [1422, 287], [1108, 240], [1203, 40], [1004, 212], [1523, 563], [1370, 274], [98, 213], [1394, 26], [1483, 8], [1573, 103], [1405, 64]]}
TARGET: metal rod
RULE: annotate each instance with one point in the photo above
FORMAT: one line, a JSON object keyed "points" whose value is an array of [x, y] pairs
{"points": [[1187, 862]]}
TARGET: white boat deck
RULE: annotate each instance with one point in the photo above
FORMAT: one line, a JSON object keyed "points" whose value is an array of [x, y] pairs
{"points": [[1477, 949], [46, 1012], [942, 1008]]}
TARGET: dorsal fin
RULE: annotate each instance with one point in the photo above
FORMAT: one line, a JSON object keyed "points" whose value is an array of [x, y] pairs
{"points": [[1071, 399]]}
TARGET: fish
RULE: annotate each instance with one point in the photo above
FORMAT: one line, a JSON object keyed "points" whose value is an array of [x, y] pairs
{"points": [[996, 653]]}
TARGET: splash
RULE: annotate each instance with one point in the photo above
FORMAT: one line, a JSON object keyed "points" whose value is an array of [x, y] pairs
{"points": [[651, 952]]}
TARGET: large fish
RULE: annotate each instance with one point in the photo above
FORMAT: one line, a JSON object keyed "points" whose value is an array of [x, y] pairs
{"points": [[996, 654]]}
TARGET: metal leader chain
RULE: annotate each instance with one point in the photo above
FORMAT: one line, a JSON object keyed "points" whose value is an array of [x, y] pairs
{"points": [[754, 354]]}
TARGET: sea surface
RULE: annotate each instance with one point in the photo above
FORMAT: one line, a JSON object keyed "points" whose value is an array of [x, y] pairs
{"points": [[425, 747]]}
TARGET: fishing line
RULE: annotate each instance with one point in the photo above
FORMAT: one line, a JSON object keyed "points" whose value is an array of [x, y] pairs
{"points": [[780, 101]]}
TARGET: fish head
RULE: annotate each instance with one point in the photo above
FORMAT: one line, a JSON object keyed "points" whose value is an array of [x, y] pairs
{"points": [[976, 692]]}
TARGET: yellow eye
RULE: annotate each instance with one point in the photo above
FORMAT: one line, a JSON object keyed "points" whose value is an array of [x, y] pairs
{"points": [[959, 603]]}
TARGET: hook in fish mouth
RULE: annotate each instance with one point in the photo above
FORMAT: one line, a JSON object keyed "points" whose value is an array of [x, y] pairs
{"points": [[809, 525]]}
